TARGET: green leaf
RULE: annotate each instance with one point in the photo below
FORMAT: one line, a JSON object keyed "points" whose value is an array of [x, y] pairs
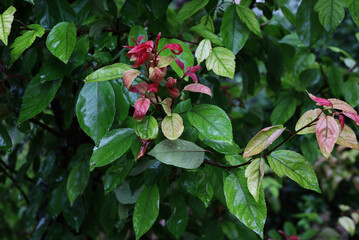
{"points": [[111, 72], [308, 27], [122, 106], [347, 137], [146, 210], [305, 119], [6, 20], [183, 106], [207, 21], [116, 174], [331, 13], [254, 174], [61, 40], [348, 224], [112, 146], [95, 109], [213, 123], [179, 153], [205, 33], [172, 126], [351, 92], [234, 33], [335, 80], [25, 41], [159, 7], [353, 6], [294, 166], [262, 140], [241, 203], [5, 140], [177, 222], [203, 50], [190, 8], [249, 18], [221, 61], [283, 111], [77, 180], [147, 129], [135, 32], [37, 97]]}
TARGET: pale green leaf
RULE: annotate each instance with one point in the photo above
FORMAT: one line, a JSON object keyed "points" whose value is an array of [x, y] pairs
{"points": [[254, 174], [347, 137], [348, 224], [249, 18], [221, 61], [203, 50], [331, 13], [6, 20], [172, 126], [110, 72], [190, 8], [305, 119]]}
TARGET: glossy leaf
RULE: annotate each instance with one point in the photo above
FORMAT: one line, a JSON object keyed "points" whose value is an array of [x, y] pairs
{"points": [[37, 97], [327, 133], [254, 174], [347, 138], [241, 203], [249, 18], [25, 41], [233, 31], [61, 40], [221, 61], [190, 8], [172, 126], [197, 87], [305, 119], [111, 72], [179, 153], [116, 174], [5, 140], [77, 180], [177, 222], [95, 109], [6, 19], [331, 13], [112, 146], [207, 34], [294, 166], [203, 50], [262, 140], [147, 129], [146, 210], [353, 7]]}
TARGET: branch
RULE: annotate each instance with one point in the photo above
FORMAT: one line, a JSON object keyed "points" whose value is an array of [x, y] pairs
{"points": [[47, 128]]}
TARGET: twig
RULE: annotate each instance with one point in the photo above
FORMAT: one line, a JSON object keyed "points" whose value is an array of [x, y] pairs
{"points": [[47, 128]]}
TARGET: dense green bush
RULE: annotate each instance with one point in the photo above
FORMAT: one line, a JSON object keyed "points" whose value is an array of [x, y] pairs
{"points": [[152, 119]]}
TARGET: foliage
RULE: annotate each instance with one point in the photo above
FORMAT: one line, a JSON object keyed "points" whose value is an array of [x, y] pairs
{"points": [[149, 119]]}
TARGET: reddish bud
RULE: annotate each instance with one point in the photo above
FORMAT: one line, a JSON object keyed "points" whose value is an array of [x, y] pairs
{"points": [[171, 82], [153, 87], [141, 107]]}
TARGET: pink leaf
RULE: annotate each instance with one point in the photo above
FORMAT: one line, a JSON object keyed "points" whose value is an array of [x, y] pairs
{"points": [[158, 39], [179, 63], [193, 69], [193, 76], [342, 122], [196, 87], [141, 107], [341, 105], [156, 75], [139, 88], [174, 47], [320, 101], [327, 132], [353, 116], [129, 76]]}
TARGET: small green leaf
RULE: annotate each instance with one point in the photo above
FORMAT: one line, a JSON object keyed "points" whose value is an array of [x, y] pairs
{"points": [[6, 20], [205, 33], [136, 32], [207, 21], [305, 119], [25, 41], [179, 153], [221, 61], [37, 97], [190, 8], [263, 139], [5, 140], [203, 50], [331, 13], [146, 210], [111, 72], [112, 146], [77, 181], [177, 222], [95, 109], [250, 19], [294, 166], [241, 203], [61, 40], [172, 126], [147, 129], [254, 174], [348, 224], [116, 174]]}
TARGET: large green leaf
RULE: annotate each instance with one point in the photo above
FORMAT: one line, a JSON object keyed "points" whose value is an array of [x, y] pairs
{"points": [[122, 106], [5, 140], [335, 80], [308, 27], [61, 40], [147, 129], [283, 111], [113, 71], [213, 123], [241, 203], [254, 174], [294, 166], [6, 20], [172, 126], [116, 174], [77, 180], [37, 97], [353, 6], [250, 19], [221, 61], [112, 146], [177, 222], [25, 40], [204, 32], [203, 50], [146, 210], [190, 8], [179, 153], [95, 109], [351, 92], [234, 33], [331, 13]]}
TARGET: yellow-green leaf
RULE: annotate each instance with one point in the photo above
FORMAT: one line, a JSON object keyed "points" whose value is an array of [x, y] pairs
{"points": [[172, 126], [6, 20]]}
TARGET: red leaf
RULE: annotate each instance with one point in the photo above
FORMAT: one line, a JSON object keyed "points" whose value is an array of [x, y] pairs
{"points": [[179, 63], [153, 87], [353, 116], [139, 52], [193, 69], [320, 101], [141, 107], [170, 85], [129, 76], [342, 122], [196, 87], [174, 47], [327, 132]]}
